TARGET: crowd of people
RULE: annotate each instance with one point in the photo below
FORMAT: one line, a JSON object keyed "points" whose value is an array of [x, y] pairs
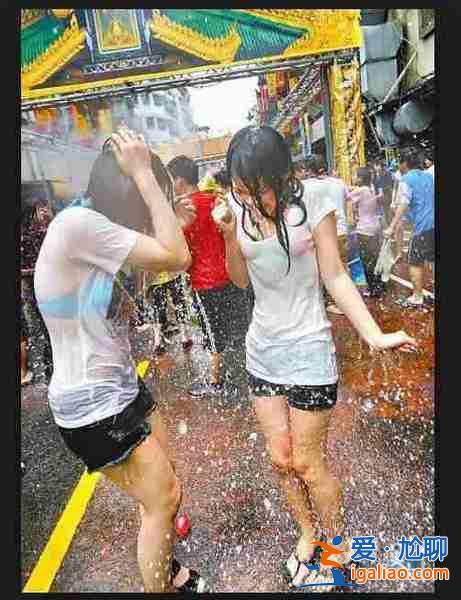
{"points": [[145, 232]]}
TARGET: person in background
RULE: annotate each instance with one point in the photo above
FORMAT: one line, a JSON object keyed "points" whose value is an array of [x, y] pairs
{"points": [[399, 227], [416, 200], [300, 169], [383, 185], [36, 217], [368, 227], [223, 182], [428, 165], [316, 170], [159, 287], [209, 278]]}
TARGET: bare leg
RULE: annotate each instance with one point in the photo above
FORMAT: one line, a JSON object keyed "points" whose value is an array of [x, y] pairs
{"points": [[148, 477], [309, 432], [23, 358], [417, 279], [216, 367], [273, 417]]}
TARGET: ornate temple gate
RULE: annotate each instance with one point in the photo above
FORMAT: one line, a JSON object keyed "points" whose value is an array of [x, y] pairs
{"points": [[71, 56]]}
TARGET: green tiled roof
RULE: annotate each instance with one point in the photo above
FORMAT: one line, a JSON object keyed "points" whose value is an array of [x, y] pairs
{"points": [[36, 38], [257, 34]]}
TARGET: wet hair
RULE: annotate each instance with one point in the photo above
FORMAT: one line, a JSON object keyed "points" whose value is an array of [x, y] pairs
{"points": [[259, 157], [185, 167], [315, 163], [117, 196], [412, 160], [364, 175], [222, 178]]}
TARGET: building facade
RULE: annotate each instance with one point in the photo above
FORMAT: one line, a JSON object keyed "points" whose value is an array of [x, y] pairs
{"points": [[399, 81]]}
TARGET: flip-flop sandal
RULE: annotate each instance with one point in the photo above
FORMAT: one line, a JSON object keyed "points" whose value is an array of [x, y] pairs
{"points": [[291, 568], [195, 583], [406, 304]]}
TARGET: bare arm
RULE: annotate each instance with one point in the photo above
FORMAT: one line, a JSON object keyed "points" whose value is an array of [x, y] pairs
{"points": [[168, 250], [344, 292], [403, 197], [236, 264], [401, 210], [235, 261]]}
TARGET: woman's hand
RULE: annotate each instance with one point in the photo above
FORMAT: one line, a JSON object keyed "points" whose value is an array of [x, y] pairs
{"points": [[228, 224], [132, 153], [185, 210], [399, 339]]}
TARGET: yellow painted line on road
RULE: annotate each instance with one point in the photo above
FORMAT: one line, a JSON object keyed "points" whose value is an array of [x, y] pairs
{"points": [[56, 549]]}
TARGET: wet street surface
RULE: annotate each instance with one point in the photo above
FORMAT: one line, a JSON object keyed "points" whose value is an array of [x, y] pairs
{"points": [[380, 445]]}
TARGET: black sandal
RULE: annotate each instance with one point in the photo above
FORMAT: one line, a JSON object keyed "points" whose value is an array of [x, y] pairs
{"points": [[194, 584]]}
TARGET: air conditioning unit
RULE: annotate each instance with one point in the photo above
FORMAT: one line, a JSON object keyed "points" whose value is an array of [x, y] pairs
{"points": [[377, 79], [380, 42], [378, 60]]}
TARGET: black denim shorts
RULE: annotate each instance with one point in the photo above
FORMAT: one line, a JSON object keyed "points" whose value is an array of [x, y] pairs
{"points": [[302, 397], [111, 440]]}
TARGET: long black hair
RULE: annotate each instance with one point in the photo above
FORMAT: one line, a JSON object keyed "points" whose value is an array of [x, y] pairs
{"points": [[116, 195], [259, 157]]}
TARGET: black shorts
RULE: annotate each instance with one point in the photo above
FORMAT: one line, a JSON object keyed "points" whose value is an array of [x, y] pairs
{"points": [[214, 309], [302, 397], [111, 440], [422, 248]]}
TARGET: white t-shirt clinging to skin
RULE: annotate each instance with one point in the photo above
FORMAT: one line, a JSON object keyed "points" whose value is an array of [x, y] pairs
{"points": [[289, 340], [94, 375]]}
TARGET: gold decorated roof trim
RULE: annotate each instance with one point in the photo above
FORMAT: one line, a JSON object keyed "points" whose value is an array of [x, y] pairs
{"points": [[54, 57], [334, 33], [62, 13], [306, 19], [31, 15], [220, 50]]}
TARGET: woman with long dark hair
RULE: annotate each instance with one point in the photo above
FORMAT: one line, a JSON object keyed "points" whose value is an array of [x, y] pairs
{"points": [[283, 239], [105, 413]]}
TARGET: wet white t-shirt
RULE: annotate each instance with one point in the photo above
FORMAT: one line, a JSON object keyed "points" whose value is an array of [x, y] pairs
{"points": [[85, 312], [289, 340], [338, 193]]}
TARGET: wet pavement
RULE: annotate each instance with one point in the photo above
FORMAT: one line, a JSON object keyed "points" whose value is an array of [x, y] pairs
{"points": [[380, 445]]}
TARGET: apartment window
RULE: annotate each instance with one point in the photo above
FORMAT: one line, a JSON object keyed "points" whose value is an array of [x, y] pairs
{"points": [[150, 123], [158, 100], [162, 124], [146, 99], [173, 129], [171, 108]]}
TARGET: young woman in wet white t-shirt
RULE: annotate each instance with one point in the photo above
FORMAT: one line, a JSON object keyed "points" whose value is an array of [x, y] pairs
{"points": [[105, 413], [283, 239]]}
